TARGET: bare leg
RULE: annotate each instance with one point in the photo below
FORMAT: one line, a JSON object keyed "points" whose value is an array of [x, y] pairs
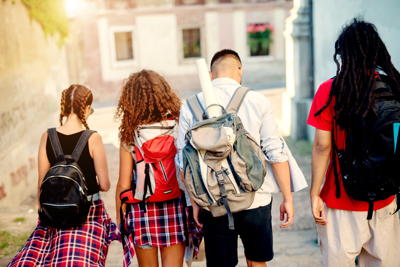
{"points": [[255, 263], [173, 256], [147, 257]]}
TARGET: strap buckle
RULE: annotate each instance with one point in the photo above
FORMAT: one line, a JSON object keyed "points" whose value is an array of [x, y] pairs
{"points": [[220, 175], [94, 197]]}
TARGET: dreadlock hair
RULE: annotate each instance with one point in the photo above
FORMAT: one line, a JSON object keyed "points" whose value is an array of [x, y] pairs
{"points": [[146, 98], [359, 51], [75, 99]]}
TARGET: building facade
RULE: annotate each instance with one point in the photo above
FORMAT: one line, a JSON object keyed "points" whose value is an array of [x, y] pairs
{"points": [[121, 37]]}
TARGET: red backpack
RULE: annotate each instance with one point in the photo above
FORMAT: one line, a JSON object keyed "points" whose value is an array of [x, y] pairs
{"points": [[154, 176]]}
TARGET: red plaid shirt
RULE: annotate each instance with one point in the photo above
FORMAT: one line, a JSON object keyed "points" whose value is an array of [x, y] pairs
{"points": [[85, 246]]}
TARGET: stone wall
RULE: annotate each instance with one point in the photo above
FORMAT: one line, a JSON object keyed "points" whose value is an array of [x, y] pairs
{"points": [[33, 70]]}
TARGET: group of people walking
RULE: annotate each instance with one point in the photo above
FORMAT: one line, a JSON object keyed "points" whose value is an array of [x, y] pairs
{"points": [[185, 175]]}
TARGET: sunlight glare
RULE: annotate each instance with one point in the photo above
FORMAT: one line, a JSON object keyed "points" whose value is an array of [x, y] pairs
{"points": [[72, 7]]}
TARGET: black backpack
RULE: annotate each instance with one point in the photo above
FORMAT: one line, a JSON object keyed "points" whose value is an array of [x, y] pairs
{"points": [[63, 193], [370, 162]]}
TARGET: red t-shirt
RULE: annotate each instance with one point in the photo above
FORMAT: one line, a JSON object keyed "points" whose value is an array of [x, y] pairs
{"points": [[324, 122]]}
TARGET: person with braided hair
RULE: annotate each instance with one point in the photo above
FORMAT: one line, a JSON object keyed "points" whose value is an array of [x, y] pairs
{"points": [[85, 245], [148, 109], [349, 225]]}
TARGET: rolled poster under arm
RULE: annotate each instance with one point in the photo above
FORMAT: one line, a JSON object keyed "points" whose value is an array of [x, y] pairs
{"points": [[209, 94]]}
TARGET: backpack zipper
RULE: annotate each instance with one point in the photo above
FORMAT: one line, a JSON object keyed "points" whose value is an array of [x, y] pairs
{"points": [[64, 165], [238, 179], [79, 171], [163, 171], [65, 177], [59, 205]]}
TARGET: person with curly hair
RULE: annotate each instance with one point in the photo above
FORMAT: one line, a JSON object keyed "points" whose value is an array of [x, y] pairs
{"points": [[85, 245], [148, 109]]}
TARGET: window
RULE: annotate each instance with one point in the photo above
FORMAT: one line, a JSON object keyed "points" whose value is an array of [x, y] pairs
{"points": [[259, 38], [189, 2], [191, 43], [123, 45]]}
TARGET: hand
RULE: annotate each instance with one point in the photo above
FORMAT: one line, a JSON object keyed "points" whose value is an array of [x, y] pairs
{"points": [[287, 209], [318, 210], [196, 212]]}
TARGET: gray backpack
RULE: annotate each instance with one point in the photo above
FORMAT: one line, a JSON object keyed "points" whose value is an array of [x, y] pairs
{"points": [[223, 165]]}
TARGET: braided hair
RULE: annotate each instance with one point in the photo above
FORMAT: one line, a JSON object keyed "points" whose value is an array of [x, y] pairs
{"points": [[359, 52], [75, 99]]}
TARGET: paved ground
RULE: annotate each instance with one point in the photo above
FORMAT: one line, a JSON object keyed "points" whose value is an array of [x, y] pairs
{"points": [[294, 247]]}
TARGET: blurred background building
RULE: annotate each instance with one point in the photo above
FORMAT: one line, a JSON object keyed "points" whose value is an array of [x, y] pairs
{"points": [[117, 37], [46, 45], [286, 47], [311, 32], [33, 69]]}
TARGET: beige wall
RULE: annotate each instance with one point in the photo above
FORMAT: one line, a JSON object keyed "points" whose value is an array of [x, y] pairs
{"points": [[33, 69], [157, 43]]}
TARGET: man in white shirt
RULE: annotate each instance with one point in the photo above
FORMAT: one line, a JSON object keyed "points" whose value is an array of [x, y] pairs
{"points": [[253, 224]]}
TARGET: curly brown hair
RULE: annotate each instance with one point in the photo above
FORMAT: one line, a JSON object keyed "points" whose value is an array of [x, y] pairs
{"points": [[75, 99], [146, 98]]}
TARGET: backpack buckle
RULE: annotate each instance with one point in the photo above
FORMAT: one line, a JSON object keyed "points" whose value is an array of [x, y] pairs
{"points": [[220, 179], [220, 175], [220, 202]]}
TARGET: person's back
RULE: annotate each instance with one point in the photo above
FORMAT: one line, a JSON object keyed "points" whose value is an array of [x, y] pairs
{"points": [[254, 223], [89, 240], [341, 111], [154, 209], [86, 163], [257, 118]]}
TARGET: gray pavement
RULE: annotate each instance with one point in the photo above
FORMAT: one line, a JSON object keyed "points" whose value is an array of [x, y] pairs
{"points": [[294, 247]]}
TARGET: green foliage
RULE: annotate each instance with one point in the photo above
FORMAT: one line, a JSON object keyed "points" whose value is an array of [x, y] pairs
{"points": [[11, 243], [259, 42], [19, 219], [51, 16]]}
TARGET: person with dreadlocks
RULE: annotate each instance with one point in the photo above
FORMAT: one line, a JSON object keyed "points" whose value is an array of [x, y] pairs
{"points": [[349, 225]]}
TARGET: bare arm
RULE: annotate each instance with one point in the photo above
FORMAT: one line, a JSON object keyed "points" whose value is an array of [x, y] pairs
{"points": [[320, 159], [100, 161], [43, 161], [124, 180], [282, 175], [273, 147]]}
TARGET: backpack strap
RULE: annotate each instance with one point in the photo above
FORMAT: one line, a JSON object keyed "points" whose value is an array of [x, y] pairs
{"points": [[335, 153], [83, 139], [237, 100], [55, 144], [397, 203], [195, 107], [378, 85]]}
